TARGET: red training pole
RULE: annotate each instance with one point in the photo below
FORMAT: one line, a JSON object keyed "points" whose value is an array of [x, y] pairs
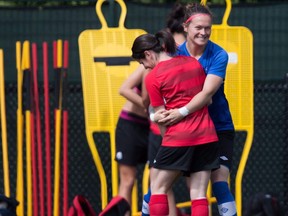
{"points": [[47, 129], [34, 166], [65, 131], [38, 128]]}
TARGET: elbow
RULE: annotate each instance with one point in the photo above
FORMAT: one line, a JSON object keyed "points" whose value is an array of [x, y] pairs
{"points": [[121, 91]]}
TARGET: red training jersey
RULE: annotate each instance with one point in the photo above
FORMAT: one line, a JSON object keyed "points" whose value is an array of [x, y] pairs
{"points": [[173, 83]]}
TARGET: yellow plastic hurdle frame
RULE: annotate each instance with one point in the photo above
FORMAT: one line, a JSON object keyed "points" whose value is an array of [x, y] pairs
{"points": [[238, 42], [105, 60]]}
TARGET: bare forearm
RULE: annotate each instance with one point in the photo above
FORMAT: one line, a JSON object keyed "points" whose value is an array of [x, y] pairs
{"points": [[133, 97], [200, 100]]}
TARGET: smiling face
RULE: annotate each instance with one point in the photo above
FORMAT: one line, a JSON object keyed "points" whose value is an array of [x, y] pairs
{"points": [[199, 29]]}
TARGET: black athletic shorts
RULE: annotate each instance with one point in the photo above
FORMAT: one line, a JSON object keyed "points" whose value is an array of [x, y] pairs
{"points": [[226, 142], [155, 141], [131, 142], [188, 159]]}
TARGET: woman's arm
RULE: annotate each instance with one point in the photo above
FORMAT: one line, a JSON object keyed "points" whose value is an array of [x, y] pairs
{"points": [[203, 98], [161, 126], [145, 96], [127, 89]]}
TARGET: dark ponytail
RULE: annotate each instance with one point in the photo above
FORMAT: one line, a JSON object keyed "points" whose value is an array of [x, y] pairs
{"points": [[167, 41], [175, 19], [160, 42]]}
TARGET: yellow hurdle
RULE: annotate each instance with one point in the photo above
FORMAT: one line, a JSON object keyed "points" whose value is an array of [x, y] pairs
{"points": [[105, 60]]}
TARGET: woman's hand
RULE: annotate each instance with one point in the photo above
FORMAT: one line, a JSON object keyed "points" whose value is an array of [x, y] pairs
{"points": [[158, 115], [168, 117]]}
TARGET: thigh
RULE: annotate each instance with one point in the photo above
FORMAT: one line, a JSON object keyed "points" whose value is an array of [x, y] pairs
{"points": [[163, 180], [198, 184]]}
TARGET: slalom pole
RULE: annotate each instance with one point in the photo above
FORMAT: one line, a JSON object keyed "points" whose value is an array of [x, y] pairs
{"points": [[47, 128], [30, 136], [34, 162], [4, 128], [19, 181], [38, 128], [65, 129], [58, 59]]}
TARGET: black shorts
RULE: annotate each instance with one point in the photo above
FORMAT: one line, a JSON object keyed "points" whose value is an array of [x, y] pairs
{"points": [[131, 142], [188, 159], [226, 142], [155, 141]]}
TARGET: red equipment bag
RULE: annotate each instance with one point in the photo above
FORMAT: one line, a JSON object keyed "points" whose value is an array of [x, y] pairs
{"points": [[81, 207], [118, 206]]}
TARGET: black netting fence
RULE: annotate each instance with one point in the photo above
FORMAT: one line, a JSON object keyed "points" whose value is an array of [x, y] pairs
{"points": [[37, 24], [266, 167]]}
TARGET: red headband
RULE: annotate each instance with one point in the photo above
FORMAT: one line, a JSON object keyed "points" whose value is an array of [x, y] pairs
{"points": [[195, 15]]}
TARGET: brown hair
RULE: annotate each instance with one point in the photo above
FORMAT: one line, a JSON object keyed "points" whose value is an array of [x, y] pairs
{"points": [[162, 41], [196, 8]]}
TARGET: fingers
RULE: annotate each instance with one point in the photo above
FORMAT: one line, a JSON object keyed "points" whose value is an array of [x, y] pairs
{"points": [[161, 112], [165, 119], [171, 117]]}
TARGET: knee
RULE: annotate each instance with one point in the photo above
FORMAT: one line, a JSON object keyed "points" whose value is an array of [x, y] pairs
{"points": [[220, 175]]}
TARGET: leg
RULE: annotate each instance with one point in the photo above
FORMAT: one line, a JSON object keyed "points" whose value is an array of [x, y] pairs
{"points": [[219, 177], [198, 184], [145, 211], [146, 199], [161, 183], [171, 201], [198, 187], [153, 146], [127, 179], [225, 199], [131, 145]]}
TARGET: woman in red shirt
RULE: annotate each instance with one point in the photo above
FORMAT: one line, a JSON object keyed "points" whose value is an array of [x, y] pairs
{"points": [[190, 146]]}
